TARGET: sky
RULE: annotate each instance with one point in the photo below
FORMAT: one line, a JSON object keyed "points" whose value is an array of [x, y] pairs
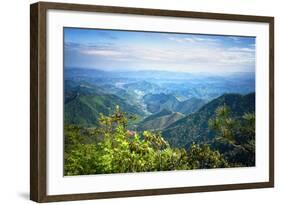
{"points": [[114, 50]]}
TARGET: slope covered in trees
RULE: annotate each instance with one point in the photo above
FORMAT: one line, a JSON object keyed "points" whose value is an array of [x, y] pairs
{"points": [[84, 103], [194, 127], [160, 123], [161, 126], [112, 148], [235, 137]]}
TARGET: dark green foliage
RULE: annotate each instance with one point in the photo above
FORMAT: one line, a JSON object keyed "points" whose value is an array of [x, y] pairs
{"points": [[194, 127], [203, 157], [235, 138], [112, 148]]}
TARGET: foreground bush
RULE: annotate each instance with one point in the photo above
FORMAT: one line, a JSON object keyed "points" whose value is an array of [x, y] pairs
{"points": [[113, 148]]}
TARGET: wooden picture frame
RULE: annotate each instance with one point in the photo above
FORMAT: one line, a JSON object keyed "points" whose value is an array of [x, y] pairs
{"points": [[38, 100]]}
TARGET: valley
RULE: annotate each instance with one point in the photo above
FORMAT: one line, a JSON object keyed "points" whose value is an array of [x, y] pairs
{"points": [[177, 105]]}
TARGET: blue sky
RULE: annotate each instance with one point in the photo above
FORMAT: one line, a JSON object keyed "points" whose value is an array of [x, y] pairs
{"points": [[114, 50]]}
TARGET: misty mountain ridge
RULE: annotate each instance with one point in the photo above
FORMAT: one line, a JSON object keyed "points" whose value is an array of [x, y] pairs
{"points": [[180, 108]]}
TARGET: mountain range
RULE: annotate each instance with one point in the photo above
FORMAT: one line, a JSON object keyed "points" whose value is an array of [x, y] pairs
{"points": [[194, 127], [179, 105]]}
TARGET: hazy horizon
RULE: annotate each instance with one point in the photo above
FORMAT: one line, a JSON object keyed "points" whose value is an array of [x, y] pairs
{"points": [[151, 70]]}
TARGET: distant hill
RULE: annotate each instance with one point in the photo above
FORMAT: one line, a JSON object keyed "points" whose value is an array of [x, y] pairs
{"points": [[84, 103], [160, 120], [157, 102], [194, 127], [189, 106], [157, 115]]}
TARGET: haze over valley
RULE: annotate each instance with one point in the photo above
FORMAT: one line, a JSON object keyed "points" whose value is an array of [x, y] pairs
{"points": [[158, 99]]}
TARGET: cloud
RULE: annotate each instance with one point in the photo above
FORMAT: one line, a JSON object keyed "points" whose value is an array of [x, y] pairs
{"points": [[189, 58], [102, 53], [242, 49], [193, 39], [180, 56]]}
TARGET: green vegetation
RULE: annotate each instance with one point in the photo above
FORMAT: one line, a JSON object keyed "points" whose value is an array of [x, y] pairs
{"points": [[195, 127], [162, 113], [234, 138], [169, 121], [159, 123], [112, 148], [84, 103]]}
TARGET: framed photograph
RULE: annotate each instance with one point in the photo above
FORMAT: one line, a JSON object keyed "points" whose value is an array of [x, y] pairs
{"points": [[135, 102]]}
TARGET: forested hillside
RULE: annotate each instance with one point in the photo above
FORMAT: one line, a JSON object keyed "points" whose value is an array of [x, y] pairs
{"points": [[84, 103], [157, 121], [194, 127], [112, 148]]}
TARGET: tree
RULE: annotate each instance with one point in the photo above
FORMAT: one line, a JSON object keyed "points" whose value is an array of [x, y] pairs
{"points": [[235, 138], [116, 149], [203, 157]]}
